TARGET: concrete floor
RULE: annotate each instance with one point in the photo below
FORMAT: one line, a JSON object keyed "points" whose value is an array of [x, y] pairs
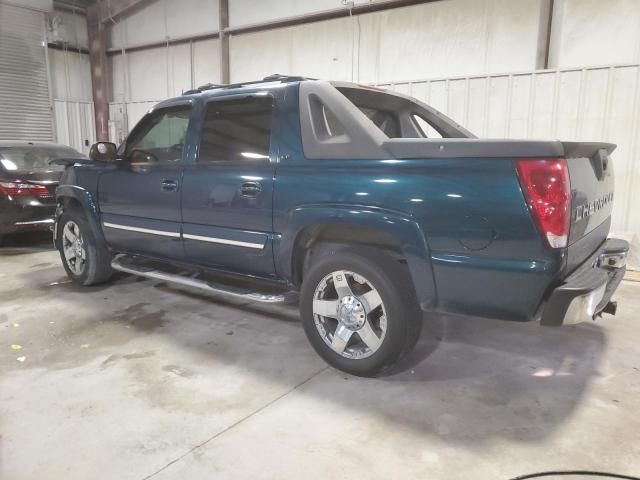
{"points": [[139, 379]]}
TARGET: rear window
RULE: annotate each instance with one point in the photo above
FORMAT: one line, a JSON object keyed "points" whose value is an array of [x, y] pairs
{"points": [[398, 116], [384, 120], [35, 158]]}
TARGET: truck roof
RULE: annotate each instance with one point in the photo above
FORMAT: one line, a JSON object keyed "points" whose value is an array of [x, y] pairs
{"points": [[271, 80], [212, 89]]}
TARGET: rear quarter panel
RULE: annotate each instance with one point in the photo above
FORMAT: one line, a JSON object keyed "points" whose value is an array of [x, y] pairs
{"points": [[474, 249]]}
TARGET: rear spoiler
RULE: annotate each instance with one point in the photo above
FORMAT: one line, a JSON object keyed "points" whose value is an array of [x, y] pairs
{"points": [[586, 149], [482, 148]]}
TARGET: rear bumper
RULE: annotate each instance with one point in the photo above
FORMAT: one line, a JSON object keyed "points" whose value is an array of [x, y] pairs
{"points": [[588, 290], [29, 213]]}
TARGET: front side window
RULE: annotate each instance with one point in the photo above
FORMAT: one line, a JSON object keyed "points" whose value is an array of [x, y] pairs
{"points": [[160, 137], [237, 130]]}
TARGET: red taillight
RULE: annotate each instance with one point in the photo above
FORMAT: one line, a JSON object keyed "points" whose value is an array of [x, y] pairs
{"points": [[546, 187], [18, 188]]}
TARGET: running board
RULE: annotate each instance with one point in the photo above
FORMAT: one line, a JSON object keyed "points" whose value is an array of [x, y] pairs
{"points": [[228, 290]]}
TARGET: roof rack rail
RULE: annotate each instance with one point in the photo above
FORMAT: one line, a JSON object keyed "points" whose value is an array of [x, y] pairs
{"points": [[276, 77]]}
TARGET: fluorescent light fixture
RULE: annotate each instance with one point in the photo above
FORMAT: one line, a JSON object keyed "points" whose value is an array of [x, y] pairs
{"points": [[362, 194], [454, 195]]}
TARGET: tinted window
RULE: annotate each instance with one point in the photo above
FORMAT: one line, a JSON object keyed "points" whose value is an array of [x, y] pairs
{"points": [[160, 136], [237, 130], [384, 120]]}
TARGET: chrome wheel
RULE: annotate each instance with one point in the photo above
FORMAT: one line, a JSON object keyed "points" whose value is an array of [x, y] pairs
{"points": [[73, 248], [349, 314]]}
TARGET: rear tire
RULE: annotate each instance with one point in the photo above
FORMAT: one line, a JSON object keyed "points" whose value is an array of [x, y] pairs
{"points": [[370, 321], [86, 259]]}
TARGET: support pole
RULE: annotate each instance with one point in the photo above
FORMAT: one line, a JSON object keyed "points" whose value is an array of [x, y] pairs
{"points": [[224, 41], [99, 71], [545, 33]]}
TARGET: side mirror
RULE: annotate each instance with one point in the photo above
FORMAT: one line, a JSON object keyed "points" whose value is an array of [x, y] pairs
{"points": [[103, 152]]}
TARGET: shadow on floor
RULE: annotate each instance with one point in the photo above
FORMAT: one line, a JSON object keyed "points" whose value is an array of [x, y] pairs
{"points": [[25, 242], [469, 379]]}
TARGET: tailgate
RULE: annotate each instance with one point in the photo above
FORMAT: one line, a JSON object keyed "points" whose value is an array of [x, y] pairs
{"points": [[591, 178]]}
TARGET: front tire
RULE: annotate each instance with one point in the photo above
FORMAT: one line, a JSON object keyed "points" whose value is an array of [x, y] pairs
{"points": [[85, 259], [359, 310]]}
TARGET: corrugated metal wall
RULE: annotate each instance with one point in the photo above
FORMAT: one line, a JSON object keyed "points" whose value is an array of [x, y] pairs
{"points": [[25, 101], [590, 104]]}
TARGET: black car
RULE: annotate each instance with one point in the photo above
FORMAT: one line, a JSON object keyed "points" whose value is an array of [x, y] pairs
{"points": [[28, 184]]}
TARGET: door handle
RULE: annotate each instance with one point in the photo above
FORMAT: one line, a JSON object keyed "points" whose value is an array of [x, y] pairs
{"points": [[250, 189], [169, 185]]}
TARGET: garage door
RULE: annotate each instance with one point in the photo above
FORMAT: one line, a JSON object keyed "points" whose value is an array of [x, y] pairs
{"points": [[25, 112]]}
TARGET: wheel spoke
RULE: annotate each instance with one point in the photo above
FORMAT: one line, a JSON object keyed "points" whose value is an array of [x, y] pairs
{"points": [[69, 253], [369, 336], [340, 338], [341, 285], [326, 308], [371, 300], [79, 265], [68, 234]]}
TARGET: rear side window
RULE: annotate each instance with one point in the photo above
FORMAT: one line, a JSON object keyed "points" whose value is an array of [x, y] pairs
{"points": [[237, 130]]}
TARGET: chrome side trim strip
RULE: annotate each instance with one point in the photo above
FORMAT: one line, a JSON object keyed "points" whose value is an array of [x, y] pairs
{"points": [[141, 230], [224, 241]]}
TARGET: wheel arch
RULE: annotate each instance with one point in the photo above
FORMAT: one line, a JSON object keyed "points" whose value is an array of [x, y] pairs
{"points": [[314, 228], [71, 196]]}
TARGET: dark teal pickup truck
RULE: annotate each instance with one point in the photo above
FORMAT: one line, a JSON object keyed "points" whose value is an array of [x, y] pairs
{"points": [[368, 206]]}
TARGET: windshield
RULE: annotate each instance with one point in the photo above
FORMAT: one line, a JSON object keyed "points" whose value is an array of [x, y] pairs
{"points": [[35, 158]]}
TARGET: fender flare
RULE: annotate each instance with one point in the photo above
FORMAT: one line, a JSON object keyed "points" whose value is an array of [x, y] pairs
{"points": [[88, 204], [404, 230]]}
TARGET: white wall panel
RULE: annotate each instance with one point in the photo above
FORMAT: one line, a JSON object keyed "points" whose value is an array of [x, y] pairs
{"points": [[593, 104], [294, 50], [75, 124], [206, 62], [70, 75], [594, 32], [163, 19], [152, 74], [456, 37]]}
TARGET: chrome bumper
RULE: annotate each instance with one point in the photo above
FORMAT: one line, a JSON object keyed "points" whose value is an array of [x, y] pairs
{"points": [[587, 292]]}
